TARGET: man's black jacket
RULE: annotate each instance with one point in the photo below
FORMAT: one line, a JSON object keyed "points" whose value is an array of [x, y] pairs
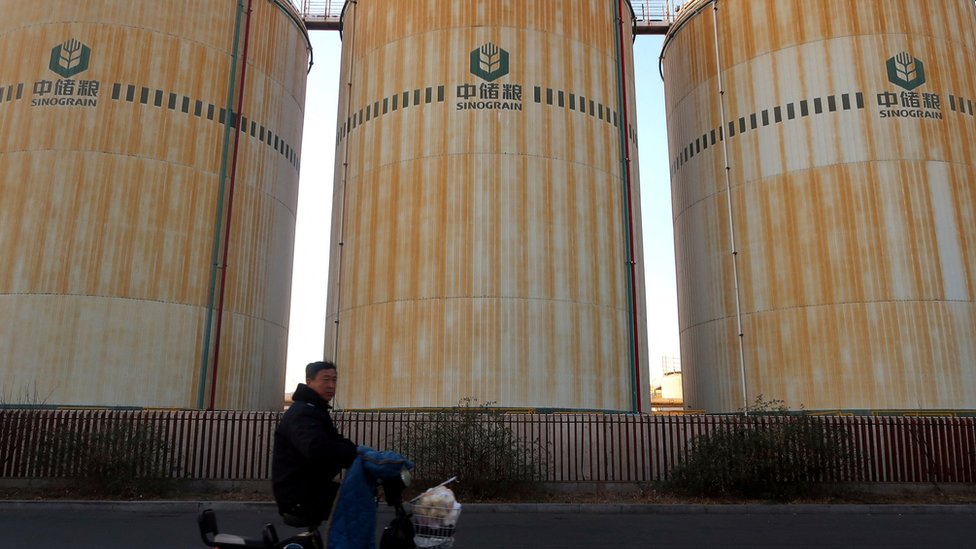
{"points": [[308, 452]]}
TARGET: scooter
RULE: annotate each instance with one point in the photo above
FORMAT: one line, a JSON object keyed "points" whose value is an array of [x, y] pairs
{"points": [[211, 535], [398, 535]]}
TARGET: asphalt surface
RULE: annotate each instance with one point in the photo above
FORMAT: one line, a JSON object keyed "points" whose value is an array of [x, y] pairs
{"points": [[172, 525]]}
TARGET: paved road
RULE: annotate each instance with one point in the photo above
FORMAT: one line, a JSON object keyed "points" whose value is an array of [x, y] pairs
{"points": [[172, 526]]}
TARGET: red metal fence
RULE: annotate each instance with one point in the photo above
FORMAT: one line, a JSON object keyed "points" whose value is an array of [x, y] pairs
{"points": [[576, 447]]}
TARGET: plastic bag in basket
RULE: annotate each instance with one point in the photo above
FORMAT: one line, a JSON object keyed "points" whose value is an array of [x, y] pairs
{"points": [[435, 515]]}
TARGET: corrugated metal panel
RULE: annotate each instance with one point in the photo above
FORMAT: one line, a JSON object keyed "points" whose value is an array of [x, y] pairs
{"points": [[108, 217], [482, 249], [852, 205]]}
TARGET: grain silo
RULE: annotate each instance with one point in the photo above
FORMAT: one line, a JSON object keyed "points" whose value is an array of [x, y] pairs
{"points": [[486, 231], [122, 162], [822, 162]]}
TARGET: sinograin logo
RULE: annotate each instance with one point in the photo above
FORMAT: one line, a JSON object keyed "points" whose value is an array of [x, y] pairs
{"points": [[489, 62], [69, 58], [906, 71]]}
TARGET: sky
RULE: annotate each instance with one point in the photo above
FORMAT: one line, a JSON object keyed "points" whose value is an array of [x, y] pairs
{"points": [[306, 333]]}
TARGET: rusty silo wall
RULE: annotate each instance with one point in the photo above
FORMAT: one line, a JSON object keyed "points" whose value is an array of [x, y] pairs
{"points": [[481, 231], [112, 148], [848, 131]]}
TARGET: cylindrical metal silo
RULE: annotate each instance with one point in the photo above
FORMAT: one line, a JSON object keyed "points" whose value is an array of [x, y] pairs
{"points": [[122, 161], [822, 164], [486, 231]]}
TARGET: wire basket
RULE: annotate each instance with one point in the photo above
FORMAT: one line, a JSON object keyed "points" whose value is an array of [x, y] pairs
{"points": [[434, 526]]}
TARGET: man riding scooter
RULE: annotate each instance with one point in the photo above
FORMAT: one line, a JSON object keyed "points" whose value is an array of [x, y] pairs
{"points": [[309, 451], [308, 454]]}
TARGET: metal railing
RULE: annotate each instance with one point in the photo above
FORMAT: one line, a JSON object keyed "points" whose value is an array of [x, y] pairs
{"points": [[320, 8], [651, 16], [654, 16], [321, 14], [578, 447]]}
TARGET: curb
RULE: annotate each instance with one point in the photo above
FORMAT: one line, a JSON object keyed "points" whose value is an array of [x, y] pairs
{"points": [[550, 508], [730, 509], [164, 506]]}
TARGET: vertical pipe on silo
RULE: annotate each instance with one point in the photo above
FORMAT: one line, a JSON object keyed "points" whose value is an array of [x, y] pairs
{"points": [[632, 327], [230, 203], [211, 290], [728, 193], [345, 174]]}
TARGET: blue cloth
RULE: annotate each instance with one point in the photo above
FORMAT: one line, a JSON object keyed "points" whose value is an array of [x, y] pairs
{"points": [[353, 524]]}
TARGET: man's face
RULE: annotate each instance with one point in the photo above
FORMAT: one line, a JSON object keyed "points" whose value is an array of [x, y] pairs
{"points": [[324, 383]]}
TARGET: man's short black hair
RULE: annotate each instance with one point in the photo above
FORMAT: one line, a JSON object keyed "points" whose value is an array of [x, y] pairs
{"points": [[314, 368]]}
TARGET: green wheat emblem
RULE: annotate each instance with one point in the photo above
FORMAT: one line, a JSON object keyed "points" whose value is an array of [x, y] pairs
{"points": [[906, 71], [489, 62], [70, 58]]}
